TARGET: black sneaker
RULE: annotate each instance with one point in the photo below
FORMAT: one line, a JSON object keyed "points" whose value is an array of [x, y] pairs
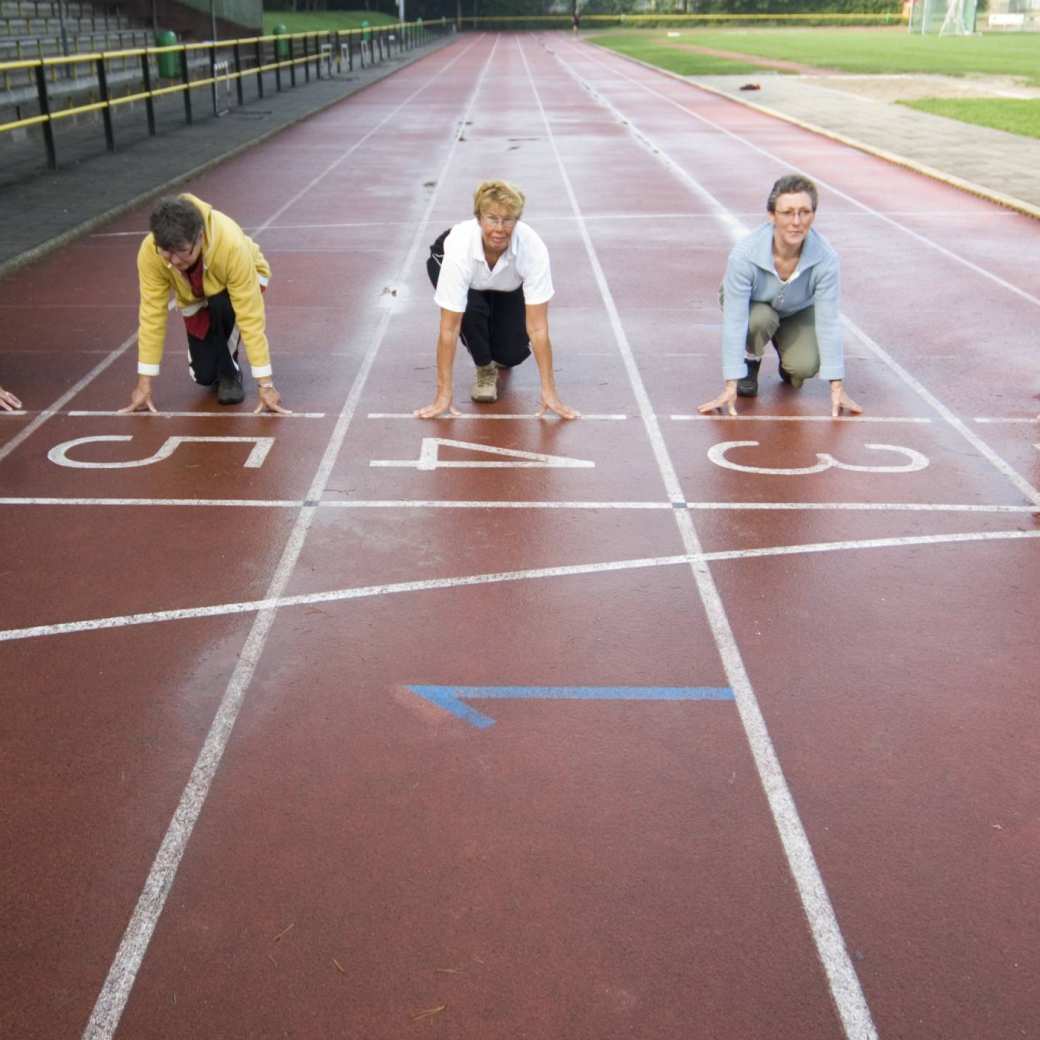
{"points": [[748, 386], [229, 389]]}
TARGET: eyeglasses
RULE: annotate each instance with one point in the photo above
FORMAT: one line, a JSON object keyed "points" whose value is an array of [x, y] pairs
{"points": [[498, 222], [791, 214], [180, 255]]}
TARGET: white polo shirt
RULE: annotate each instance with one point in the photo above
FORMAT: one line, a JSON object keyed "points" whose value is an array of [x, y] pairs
{"points": [[525, 262]]}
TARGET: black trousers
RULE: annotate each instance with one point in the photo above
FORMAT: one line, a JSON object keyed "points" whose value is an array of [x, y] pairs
{"points": [[211, 357], [494, 324]]}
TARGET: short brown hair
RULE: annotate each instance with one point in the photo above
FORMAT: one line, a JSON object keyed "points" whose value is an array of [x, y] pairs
{"points": [[792, 184], [499, 193], [175, 223]]}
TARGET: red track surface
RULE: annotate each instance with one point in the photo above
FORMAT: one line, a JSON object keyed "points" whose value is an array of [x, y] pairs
{"points": [[347, 856]]}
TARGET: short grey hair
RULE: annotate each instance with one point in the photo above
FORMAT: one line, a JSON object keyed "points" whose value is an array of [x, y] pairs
{"points": [[175, 224], [792, 184]]}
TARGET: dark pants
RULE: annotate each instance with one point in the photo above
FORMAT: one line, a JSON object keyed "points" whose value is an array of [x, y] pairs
{"points": [[494, 324], [211, 357]]}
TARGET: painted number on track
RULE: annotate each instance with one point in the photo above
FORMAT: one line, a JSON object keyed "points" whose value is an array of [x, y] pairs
{"points": [[915, 461], [60, 452], [509, 458]]}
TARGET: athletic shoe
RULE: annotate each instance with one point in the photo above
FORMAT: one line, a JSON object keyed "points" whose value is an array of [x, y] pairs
{"points": [[485, 384], [229, 389], [748, 386]]}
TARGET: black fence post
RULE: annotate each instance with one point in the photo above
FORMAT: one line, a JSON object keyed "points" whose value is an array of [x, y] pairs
{"points": [[238, 74], [213, 76], [292, 64], [149, 104], [259, 47], [106, 112], [45, 110], [186, 78]]}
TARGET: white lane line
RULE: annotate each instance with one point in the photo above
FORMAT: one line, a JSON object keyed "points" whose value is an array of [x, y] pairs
{"points": [[1029, 421], [288, 503], [259, 503], [272, 604], [801, 418], [880, 507], [841, 975], [490, 415], [196, 415], [735, 228], [55, 409], [484, 504], [871, 543], [115, 992], [790, 166]]}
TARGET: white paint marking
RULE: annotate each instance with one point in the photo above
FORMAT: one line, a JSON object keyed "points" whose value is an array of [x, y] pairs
{"points": [[59, 453], [258, 503], [115, 992], [272, 604], [841, 975], [197, 415], [1028, 422], [489, 415], [717, 454], [429, 458], [55, 409], [277, 503], [802, 418]]}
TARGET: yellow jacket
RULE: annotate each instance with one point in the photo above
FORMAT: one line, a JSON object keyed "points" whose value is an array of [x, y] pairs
{"points": [[231, 260]]}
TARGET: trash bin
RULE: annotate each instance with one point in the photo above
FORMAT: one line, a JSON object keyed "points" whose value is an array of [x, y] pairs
{"points": [[281, 47], [170, 62]]}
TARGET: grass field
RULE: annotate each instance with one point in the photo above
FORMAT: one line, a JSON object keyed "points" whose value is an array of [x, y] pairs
{"points": [[317, 21], [1011, 114], [850, 50], [653, 46]]}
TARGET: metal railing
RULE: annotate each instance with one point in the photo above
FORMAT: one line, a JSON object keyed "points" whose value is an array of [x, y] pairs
{"points": [[223, 63]]}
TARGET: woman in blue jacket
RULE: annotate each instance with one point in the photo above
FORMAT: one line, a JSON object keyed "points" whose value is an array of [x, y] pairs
{"points": [[783, 284]]}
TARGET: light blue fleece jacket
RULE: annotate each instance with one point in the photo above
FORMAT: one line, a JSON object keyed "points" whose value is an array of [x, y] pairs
{"points": [[751, 276]]}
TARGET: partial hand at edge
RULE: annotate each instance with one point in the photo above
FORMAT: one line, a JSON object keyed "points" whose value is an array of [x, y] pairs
{"points": [[8, 401]]}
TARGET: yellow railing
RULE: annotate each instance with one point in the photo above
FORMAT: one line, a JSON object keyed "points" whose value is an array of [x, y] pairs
{"points": [[328, 48]]}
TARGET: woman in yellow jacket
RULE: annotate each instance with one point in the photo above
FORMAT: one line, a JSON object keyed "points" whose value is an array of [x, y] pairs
{"points": [[215, 275]]}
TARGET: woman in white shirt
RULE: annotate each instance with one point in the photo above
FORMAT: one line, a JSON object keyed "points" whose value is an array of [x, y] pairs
{"points": [[493, 287]]}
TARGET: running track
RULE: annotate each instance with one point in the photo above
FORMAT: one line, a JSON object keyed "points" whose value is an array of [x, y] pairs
{"points": [[766, 763]]}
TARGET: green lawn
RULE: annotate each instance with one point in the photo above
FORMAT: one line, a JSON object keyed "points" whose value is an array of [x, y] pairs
{"points": [[1011, 114], [653, 46], [316, 21], [861, 50]]}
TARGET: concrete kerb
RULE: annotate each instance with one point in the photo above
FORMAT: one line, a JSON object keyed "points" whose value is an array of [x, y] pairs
{"points": [[979, 190], [85, 227]]}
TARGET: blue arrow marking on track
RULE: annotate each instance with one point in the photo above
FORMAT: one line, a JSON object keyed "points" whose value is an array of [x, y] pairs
{"points": [[450, 698]]}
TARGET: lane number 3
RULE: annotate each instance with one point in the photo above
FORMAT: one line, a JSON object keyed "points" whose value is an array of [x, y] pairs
{"points": [[914, 461]]}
